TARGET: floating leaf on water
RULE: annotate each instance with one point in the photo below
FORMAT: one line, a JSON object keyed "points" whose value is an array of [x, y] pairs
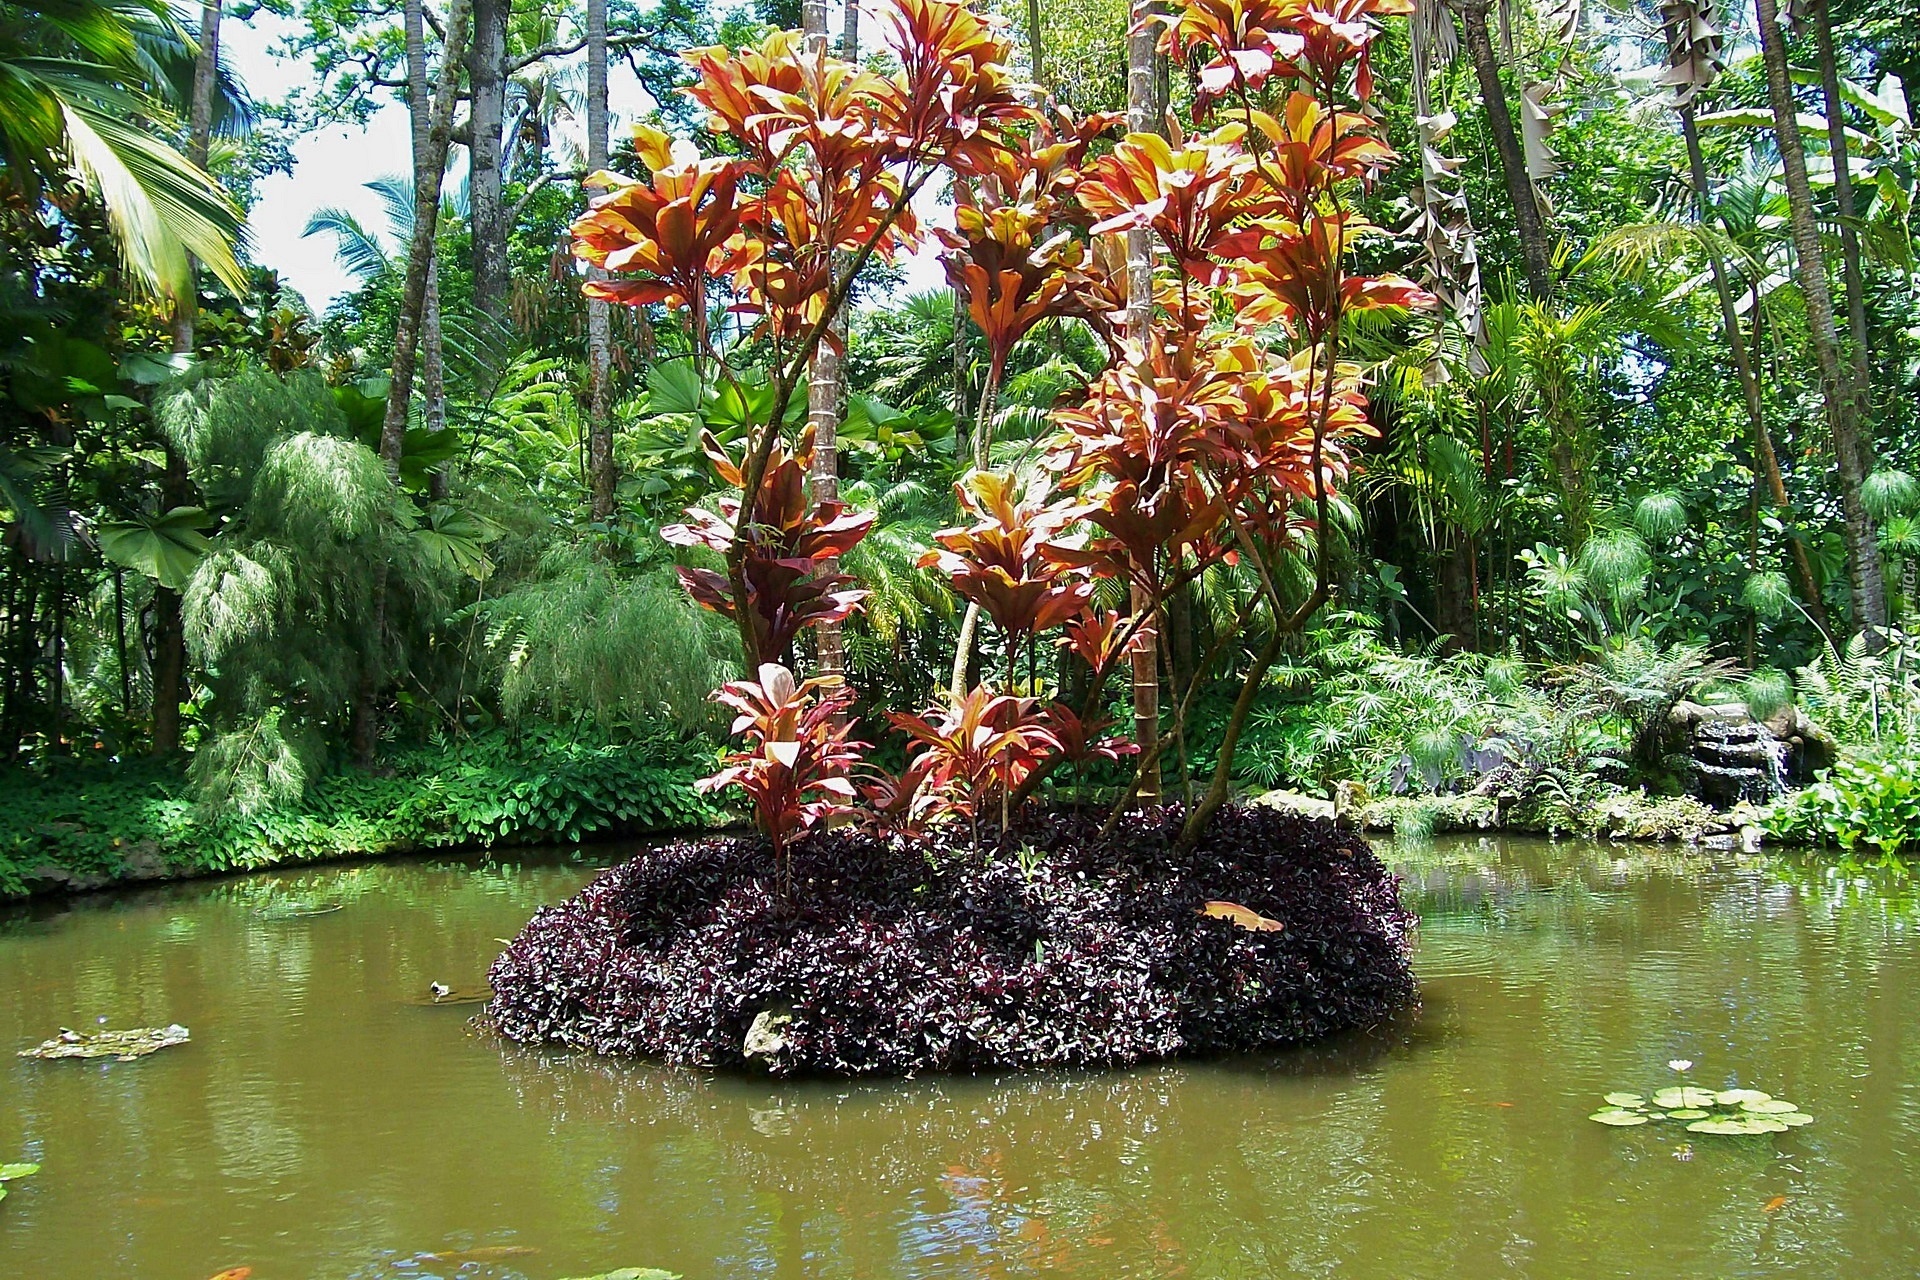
{"points": [[1618, 1118], [1680, 1096], [1241, 917], [234, 1273], [636, 1273], [1688, 1113], [1792, 1119], [1778, 1202], [1628, 1100], [1726, 1125], [1734, 1097], [137, 1042], [8, 1172], [1735, 1126], [1770, 1107], [3, 1193], [1656, 1115]]}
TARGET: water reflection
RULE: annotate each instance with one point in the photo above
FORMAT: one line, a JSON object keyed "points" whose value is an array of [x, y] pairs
{"points": [[322, 1125]]}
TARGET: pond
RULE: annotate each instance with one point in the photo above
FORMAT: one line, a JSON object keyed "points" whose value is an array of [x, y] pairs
{"points": [[322, 1123]]}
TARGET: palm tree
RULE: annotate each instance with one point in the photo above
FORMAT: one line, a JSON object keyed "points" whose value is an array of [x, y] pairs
{"points": [[81, 92], [1841, 391]]}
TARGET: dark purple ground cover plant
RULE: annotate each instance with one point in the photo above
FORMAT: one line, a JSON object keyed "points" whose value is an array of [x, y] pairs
{"points": [[952, 957]]}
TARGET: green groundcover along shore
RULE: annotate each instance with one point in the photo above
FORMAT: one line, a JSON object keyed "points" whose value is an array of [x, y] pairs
{"points": [[80, 825]]}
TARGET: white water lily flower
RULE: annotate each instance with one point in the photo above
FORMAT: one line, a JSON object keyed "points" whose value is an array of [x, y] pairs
{"points": [[1680, 1064]]}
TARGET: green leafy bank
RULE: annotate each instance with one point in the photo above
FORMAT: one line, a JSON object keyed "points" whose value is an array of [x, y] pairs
{"points": [[75, 824]]}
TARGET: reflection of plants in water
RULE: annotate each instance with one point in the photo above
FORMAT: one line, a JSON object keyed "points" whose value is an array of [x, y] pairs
{"points": [[1056, 1174]]}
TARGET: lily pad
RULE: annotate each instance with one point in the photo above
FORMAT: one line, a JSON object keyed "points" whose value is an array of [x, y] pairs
{"points": [[636, 1273], [1792, 1119], [123, 1046], [1735, 1126], [1618, 1118], [1771, 1107], [1627, 1100], [1683, 1096], [1727, 1125], [1689, 1113], [8, 1172], [1734, 1097]]}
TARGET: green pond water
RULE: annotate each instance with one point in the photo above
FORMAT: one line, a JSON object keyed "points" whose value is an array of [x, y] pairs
{"points": [[323, 1124]]}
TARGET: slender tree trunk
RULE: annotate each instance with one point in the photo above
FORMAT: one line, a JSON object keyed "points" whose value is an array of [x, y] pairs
{"points": [[1536, 254], [823, 392], [206, 65], [1859, 348], [1764, 455], [169, 629], [850, 32], [1036, 44], [433, 366], [406, 343], [426, 222], [599, 315], [487, 73], [1141, 98], [1852, 453]]}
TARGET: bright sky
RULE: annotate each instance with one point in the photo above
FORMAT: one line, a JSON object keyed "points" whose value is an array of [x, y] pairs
{"points": [[332, 165]]}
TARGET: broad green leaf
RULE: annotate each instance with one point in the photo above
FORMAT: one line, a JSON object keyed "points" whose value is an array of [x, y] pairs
{"points": [[1769, 1107], [166, 548], [1617, 1118], [8, 1172], [1734, 1097], [674, 387], [1628, 1100]]}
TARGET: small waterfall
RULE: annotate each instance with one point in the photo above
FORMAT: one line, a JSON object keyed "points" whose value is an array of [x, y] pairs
{"points": [[1738, 760]]}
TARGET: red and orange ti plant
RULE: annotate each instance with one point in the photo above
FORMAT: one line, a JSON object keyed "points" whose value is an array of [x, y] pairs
{"points": [[1218, 433]]}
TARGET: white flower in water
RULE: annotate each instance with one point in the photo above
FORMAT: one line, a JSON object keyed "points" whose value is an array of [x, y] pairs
{"points": [[1680, 1064]]}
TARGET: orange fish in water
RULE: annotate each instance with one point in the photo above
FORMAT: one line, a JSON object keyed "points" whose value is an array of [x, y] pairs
{"points": [[1774, 1204], [235, 1273], [485, 1253], [1241, 917]]}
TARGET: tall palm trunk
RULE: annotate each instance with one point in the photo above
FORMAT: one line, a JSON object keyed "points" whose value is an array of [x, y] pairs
{"points": [[823, 389], [487, 71], [406, 340], [1141, 100], [433, 367], [599, 316], [206, 63], [1536, 254], [1859, 349], [169, 635], [1852, 452], [1769, 461]]}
